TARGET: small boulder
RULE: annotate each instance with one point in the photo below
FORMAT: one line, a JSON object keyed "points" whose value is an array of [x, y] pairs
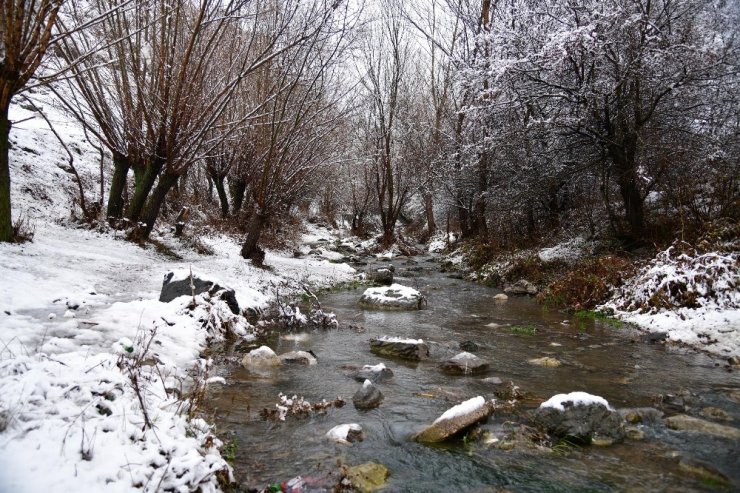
{"points": [[346, 433], [455, 420], [641, 415], [374, 373], [501, 297], [521, 288], [368, 396], [682, 422], [383, 277], [410, 349], [393, 297], [464, 364], [367, 477], [580, 417], [175, 286], [262, 357], [469, 346], [298, 358], [545, 361]]}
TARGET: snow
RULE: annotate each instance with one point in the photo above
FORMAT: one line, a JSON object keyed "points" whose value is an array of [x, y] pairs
{"points": [[462, 409], [376, 368], [390, 294], [692, 297], [262, 352], [366, 384], [339, 433], [75, 419], [577, 398], [568, 251], [400, 340]]}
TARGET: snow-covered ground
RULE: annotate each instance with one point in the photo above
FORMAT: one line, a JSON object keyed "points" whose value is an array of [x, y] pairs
{"points": [[693, 298], [96, 374]]}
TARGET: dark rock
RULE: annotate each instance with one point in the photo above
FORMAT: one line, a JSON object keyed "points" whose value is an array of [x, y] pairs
{"points": [[469, 346], [394, 297], [654, 337], [383, 277], [464, 364], [400, 348], [520, 288], [174, 289], [443, 429], [367, 397], [298, 358], [581, 423], [377, 373], [642, 415]]}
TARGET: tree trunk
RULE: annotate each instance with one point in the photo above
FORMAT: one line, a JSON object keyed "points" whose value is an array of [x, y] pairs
{"points": [[218, 181], [121, 166], [6, 219], [254, 230], [632, 199], [429, 209], [150, 212], [144, 179], [463, 217], [238, 189]]}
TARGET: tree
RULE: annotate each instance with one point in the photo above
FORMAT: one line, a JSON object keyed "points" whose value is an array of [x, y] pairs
{"points": [[27, 32]]}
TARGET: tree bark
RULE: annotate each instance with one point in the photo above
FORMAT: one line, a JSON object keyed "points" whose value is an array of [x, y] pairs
{"points": [[6, 218], [256, 222], [238, 189], [144, 179], [121, 166], [429, 209], [218, 181], [150, 212]]}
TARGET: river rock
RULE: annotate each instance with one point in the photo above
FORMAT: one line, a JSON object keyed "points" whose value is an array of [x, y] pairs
{"points": [[520, 288], [368, 396], [469, 346], [298, 358], [262, 357], [393, 297], [464, 364], [682, 422], [545, 361], [384, 277], [346, 433], [580, 417], [715, 413], [641, 415], [704, 470], [501, 297], [374, 373], [410, 349], [455, 420], [176, 285], [368, 477]]}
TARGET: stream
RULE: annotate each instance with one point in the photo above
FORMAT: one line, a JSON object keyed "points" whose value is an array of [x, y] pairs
{"points": [[599, 357]]}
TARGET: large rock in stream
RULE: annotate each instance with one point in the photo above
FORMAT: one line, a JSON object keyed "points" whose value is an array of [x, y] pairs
{"points": [[298, 358], [455, 420], [464, 364], [374, 373], [521, 288], [396, 347], [368, 477], [580, 417], [383, 277], [393, 297], [262, 357], [368, 396], [178, 284]]}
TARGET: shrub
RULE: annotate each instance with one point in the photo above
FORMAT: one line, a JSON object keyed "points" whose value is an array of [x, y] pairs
{"points": [[589, 283]]}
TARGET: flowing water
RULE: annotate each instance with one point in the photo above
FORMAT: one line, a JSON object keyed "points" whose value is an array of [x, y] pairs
{"points": [[614, 362]]}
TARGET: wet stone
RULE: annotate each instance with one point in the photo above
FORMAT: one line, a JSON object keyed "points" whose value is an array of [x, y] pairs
{"points": [[367, 397]]}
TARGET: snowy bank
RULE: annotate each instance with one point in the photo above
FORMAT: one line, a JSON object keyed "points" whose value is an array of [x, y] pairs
{"points": [[693, 298]]}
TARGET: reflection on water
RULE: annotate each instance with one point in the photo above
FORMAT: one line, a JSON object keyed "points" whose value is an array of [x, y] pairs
{"points": [[597, 358]]}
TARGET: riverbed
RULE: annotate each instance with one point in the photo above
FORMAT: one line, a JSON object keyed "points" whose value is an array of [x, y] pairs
{"points": [[599, 357]]}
